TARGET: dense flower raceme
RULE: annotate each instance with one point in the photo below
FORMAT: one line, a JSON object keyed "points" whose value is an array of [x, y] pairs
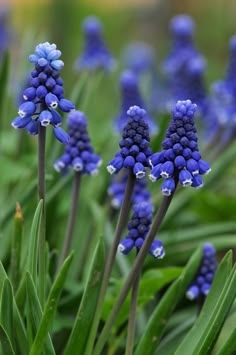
{"points": [[134, 145], [202, 283], [95, 54], [116, 191], [180, 161], [139, 57], [138, 228], [4, 31], [130, 95], [184, 66], [45, 94], [79, 154], [224, 91]]}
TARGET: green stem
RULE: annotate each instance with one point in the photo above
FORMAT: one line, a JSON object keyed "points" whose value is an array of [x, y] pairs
{"points": [[124, 211], [72, 218], [133, 273], [132, 316], [41, 196]]}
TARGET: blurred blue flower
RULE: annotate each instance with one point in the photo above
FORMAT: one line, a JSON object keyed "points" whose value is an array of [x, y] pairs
{"points": [[79, 154], [130, 96], [139, 57], [4, 30], [224, 92], [138, 228], [203, 281], [95, 54], [45, 94], [180, 161], [134, 145], [116, 191], [184, 66]]}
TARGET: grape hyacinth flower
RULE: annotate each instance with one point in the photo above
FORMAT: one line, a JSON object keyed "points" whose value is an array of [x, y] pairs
{"points": [[130, 96], [45, 94], [203, 281], [95, 54], [139, 57], [184, 66], [116, 191], [134, 145], [180, 161], [79, 153], [138, 228], [4, 30], [224, 91]]}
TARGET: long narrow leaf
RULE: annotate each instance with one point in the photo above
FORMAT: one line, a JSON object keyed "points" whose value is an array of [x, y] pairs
{"points": [[159, 318], [200, 338], [35, 311], [84, 318], [50, 307], [5, 342]]}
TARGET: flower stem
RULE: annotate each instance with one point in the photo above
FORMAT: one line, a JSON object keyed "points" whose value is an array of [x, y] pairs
{"points": [[124, 211], [133, 273], [132, 317], [72, 218], [41, 196]]}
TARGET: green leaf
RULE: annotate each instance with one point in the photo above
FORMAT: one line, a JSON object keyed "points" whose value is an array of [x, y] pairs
{"points": [[7, 310], [33, 241], [164, 309], [4, 73], [50, 307], [16, 247], [35, 311], [151, 282], [5, 342], [201, 337], [84, 318], [226, 343]]}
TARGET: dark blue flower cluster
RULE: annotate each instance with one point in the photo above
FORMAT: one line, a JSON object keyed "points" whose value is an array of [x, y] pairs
{"points": [[202, 283], [95, 54], [79, 153], [134, 145], [138, 228], [117, 189], [180, 160], [45, 94], [139, 57], [184, 67], [130, 96]]}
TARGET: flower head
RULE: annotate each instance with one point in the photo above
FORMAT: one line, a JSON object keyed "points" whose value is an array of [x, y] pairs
{"points": [[202, 283], [116, 191], [184, 66], [45, 94], [139, 57], [130, 95], [79, 154], [180, 161], [224, 91], [4, 30], [95, 54], [138, 228], [134, 145]]}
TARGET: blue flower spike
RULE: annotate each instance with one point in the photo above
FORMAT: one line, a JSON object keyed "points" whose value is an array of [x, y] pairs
{"points": [[116, 191], [79, 154], [203, 281], [44, 95], [185, 66], [139, 57], [138, 228], [95, 54], [180, 161], [130, 96], [134, 146]]}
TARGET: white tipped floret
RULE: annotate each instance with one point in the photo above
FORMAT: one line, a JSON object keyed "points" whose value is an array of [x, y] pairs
{"points": [[140, 174], [152, 177], [166, 192], [59, 166], [111, 169], [121, 248]]}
